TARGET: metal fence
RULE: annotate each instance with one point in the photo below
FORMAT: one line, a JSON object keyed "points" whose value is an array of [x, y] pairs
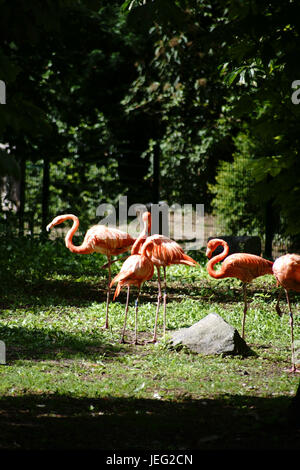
{"points": [[30, 225]]}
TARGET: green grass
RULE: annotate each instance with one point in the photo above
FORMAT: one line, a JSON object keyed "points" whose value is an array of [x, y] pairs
{"points": [[75, 386]]}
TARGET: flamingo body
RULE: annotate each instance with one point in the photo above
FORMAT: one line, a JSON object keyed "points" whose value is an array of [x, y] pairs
{"points": [[163, 252], [286, 269], [135, 270], [243, 266], [108, 241]]}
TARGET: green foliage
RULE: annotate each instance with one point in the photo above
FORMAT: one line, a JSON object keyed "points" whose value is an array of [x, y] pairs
{"points": [[179, 86], [41, 258], [97, 89], [235, 201], [66, 75], [260, 69]]}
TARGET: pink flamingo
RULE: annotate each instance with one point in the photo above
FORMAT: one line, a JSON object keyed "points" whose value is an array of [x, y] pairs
{"points": [[163, 252], [100, 239], [135, 271], [243, 266], [286, 269]]}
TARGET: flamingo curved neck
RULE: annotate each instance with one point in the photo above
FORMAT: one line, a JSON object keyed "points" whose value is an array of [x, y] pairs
{"points": [[142, 237], [69, 237], [217, 259]]}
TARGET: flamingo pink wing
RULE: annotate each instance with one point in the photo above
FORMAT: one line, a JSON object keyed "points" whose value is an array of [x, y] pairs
{"points": [[107, 240], [287, 271], [245, 266], [135, 270], [163, 251]]}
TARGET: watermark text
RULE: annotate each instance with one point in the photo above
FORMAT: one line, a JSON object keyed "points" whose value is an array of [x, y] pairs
{"points": [[184, 223], [2, 353], [296, 95], [2, 92]]}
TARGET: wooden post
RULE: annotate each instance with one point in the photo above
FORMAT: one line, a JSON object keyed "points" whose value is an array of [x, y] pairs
{"points": [[45, 194], [156, 174], [22, 195]]}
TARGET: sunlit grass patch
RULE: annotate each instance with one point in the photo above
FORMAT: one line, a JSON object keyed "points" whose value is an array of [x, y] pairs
{"points": [[51, 321]]}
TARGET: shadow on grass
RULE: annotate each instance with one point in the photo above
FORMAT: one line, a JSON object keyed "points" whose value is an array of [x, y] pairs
{"points": [[19, 291], [63, 422], [53, 292], [39, 344]]}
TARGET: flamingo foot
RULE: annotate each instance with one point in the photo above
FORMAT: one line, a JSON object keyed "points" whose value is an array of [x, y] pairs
{"points": [[135, 342], [292, 370], [279, 311], [122, 341], [153, 341]]}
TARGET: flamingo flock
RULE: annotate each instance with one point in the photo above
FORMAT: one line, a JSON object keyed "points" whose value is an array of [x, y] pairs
{"points": [[158, 251]]}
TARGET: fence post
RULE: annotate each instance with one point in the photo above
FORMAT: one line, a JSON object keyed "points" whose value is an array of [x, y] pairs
{"points": [[45, 194], [2, 352], [2, 92]]}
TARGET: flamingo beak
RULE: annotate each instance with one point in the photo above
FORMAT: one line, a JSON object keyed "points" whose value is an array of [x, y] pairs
{"points": [[208, 252], [48, 228]]}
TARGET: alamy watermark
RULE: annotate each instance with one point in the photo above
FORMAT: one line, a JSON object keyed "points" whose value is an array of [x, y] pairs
{"points": [[181, 223], [2, 352], [2, 92], [296, 95]]}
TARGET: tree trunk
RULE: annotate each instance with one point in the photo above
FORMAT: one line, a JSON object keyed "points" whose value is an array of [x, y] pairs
{"points": [[156, 174], [270, 227], [45, 194], [21, 211]]}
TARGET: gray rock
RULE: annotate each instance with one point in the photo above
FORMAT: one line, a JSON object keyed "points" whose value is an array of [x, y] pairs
{"points": [[211, 335]]}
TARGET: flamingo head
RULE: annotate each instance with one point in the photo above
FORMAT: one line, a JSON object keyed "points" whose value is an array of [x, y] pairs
{"points": [[212, 245], [59, 220], [147, 222]]}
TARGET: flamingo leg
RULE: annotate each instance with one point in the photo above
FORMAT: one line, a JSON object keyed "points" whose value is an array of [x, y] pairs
{"points": [[104, 266], [154, 339], [277, 308], [245, 309], [108, 292], [165, 299], [293, 369], [125, 319], [136, 316]]}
